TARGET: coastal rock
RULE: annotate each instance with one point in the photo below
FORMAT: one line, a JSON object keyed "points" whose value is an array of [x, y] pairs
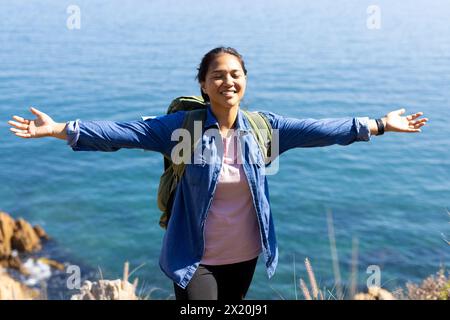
{"points": [[52, 263], [13, 262], [375, 293], [10, 289], [25, 238], [41, 233], [19, 236], [7, 226], [106, 290]]}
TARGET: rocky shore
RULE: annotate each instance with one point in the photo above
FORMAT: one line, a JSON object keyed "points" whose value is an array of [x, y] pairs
{"points": [[18, 237], [11, 289]]}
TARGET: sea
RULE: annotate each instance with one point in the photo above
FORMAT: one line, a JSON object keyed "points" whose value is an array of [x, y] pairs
{"points": [[387, 199]]}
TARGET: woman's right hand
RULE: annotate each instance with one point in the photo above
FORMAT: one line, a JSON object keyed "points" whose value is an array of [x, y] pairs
{"points": [[42, 126]]}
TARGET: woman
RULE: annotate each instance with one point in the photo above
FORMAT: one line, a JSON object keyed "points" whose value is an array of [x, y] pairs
{"points": [[221, 219]]}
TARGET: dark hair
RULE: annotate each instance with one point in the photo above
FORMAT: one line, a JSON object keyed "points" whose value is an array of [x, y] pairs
{"points": [[209, 57]]}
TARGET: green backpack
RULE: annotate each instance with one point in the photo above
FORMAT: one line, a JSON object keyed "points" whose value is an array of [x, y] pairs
{"points": [[173, 173]]}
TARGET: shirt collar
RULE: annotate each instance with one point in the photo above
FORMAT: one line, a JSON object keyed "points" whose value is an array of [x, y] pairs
{"points": [[211, 120]]}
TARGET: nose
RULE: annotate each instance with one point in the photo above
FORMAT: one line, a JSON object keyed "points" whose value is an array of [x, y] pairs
{"points": [[228, 80]]}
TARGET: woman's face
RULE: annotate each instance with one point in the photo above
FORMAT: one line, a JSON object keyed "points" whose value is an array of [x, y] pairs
{"points": [[225, 81]]}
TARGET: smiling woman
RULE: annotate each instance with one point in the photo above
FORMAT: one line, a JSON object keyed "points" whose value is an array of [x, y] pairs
{"points": [[220, 224]]}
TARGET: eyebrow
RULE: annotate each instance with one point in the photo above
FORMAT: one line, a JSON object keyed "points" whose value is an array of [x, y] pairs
{"points": [[221, 70]]}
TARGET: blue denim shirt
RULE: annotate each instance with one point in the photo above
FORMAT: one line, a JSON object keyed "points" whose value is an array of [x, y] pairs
{"points": [[183, 243]]}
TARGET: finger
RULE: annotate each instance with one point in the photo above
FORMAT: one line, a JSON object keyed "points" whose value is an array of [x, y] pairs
{"points": [[36, 112], [413, 130], [22, 120], [414, 116], [418, 121], [422, 122], [417, 126], [18, 130], [23, 135], [400, 111], [18, 125]]}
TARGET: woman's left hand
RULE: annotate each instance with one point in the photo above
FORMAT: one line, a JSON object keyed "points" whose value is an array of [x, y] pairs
{"points": [[394, 121]]}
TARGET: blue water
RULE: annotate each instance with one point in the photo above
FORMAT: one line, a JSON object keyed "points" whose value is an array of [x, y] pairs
{"points": [[315, 59]]}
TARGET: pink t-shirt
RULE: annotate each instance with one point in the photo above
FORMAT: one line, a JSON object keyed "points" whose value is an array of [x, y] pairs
{"points": [[231, 228]]}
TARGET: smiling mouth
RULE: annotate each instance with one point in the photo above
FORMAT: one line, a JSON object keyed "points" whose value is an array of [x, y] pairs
{"points": [[228, 92]]}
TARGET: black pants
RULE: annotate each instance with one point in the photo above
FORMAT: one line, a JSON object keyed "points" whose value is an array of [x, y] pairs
{"points": [[224, 282]]}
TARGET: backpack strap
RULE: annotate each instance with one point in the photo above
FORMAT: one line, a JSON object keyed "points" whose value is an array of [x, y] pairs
{"points": [[186, 103], [262, 131], [188, 124]]}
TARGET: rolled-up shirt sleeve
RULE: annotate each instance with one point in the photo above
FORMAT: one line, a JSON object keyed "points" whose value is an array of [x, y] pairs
{"points": [[73, 132], [363, 130], [306, 133], [153, 134]]}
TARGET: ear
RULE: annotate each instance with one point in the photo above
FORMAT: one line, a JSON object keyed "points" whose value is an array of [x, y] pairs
{"points": [[202, 86]]}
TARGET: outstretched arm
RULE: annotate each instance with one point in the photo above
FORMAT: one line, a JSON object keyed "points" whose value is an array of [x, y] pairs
{"points": [[306, 133], [153, 134]]}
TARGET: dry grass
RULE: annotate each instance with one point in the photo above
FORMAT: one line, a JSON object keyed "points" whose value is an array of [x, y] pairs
{"points": [[337, 292], [317, 294], [334, 257], [435, 287]]}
